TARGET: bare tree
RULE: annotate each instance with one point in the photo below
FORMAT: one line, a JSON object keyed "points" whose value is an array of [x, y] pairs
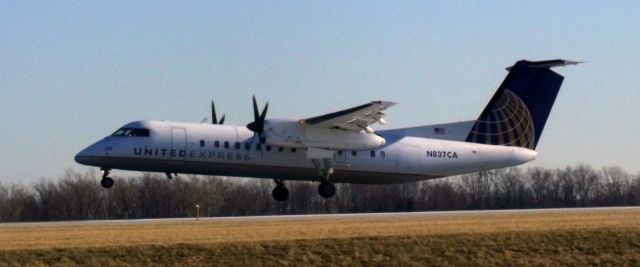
{"points": [[510, 189], [586, 182], [543, 187], [441, 194], [615, 183], [633, 193], [568, 187], [78, 196], [478, 188]]}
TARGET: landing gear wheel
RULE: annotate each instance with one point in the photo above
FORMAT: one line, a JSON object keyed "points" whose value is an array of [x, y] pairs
{"points": [[326, 189], [280, 193], [106, 182]]}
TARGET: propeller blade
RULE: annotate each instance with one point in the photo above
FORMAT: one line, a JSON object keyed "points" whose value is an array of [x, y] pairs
{"points": [[263, 115], [257, 125], [214, 117], [255, 109]]}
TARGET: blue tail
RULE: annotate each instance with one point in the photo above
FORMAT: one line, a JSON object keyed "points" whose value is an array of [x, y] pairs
{"points": [[517, 113]]}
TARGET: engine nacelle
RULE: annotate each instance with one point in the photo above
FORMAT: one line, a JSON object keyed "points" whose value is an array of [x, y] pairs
{"points": [[290, 133]]}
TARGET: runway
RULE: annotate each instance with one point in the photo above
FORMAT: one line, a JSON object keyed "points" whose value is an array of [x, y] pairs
{"points": [[350, 216]]}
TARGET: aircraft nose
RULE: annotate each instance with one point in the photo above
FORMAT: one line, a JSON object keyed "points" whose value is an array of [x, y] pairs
{"points": [[93, 155]]}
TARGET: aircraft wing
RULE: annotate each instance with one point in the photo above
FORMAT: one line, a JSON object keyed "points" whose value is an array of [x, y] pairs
{"points": [[354, 119]]}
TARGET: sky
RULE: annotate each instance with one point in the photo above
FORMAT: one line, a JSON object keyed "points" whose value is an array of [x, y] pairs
{"points": [[73, 72]]}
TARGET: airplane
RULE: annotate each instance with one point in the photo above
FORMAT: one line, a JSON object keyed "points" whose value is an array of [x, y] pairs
{"points": [[341, 147]]}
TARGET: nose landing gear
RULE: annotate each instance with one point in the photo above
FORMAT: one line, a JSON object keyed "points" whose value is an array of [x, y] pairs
{"points": [[106, 181]]}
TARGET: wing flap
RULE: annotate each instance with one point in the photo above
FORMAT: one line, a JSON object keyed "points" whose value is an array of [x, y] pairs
{"points": [[352, 119]]}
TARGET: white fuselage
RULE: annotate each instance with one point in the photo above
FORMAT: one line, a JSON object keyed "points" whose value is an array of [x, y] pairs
{"points": [[209, 149]]}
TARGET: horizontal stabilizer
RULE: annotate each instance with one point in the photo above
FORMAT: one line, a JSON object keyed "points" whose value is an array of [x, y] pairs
{"points": [[547, 63]]}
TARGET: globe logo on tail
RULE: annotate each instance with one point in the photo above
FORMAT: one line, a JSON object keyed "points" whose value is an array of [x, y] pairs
{"points": [[508, 123]]}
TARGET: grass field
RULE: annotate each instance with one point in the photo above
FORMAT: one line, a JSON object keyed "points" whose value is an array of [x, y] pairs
{"points": [[601, 237]]}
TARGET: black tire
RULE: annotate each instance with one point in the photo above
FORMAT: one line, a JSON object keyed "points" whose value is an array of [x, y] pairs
{"points": [[326, 190], [106, 182], [280, 193]]}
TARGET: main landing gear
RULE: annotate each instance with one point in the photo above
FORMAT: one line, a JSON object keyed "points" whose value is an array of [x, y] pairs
{"points": [[322, 161], [326, 189], [280, 193], [106, 181], [323, 166]]}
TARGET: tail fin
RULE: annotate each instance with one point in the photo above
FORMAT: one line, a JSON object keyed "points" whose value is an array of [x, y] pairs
{"points": [[518, 111]]}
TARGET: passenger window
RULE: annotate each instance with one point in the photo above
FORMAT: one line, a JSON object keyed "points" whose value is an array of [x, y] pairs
{"points": [[237, 145], [268, 148], [201, 143], [226, 144], [354, 153], [280, 149], [373, 154], [216, 144], [340, 152], [247, 146], [293, 150], [258, 146], [383, 154]]}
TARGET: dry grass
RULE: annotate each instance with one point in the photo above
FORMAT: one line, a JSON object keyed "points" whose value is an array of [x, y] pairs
{"points": [[594, 238]]}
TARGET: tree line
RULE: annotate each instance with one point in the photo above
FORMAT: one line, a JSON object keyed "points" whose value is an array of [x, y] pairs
{"points": [[79, 196]]}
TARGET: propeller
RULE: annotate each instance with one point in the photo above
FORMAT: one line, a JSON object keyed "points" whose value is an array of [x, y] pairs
{"points": [[257, 126], [214, 117]]}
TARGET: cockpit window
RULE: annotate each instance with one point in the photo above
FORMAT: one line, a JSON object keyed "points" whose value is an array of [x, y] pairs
{"points": [[132, 132], [122, 132], [140, 132]]}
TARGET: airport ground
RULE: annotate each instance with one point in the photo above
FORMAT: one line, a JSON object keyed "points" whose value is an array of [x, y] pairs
{"points": [[602, 236]]}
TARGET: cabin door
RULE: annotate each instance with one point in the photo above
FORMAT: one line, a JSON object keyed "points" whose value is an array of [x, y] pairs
{"points": [[178, 151]]}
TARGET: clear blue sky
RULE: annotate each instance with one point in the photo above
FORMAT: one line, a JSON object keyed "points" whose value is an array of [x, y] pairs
{"points": [[73, 72]]}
